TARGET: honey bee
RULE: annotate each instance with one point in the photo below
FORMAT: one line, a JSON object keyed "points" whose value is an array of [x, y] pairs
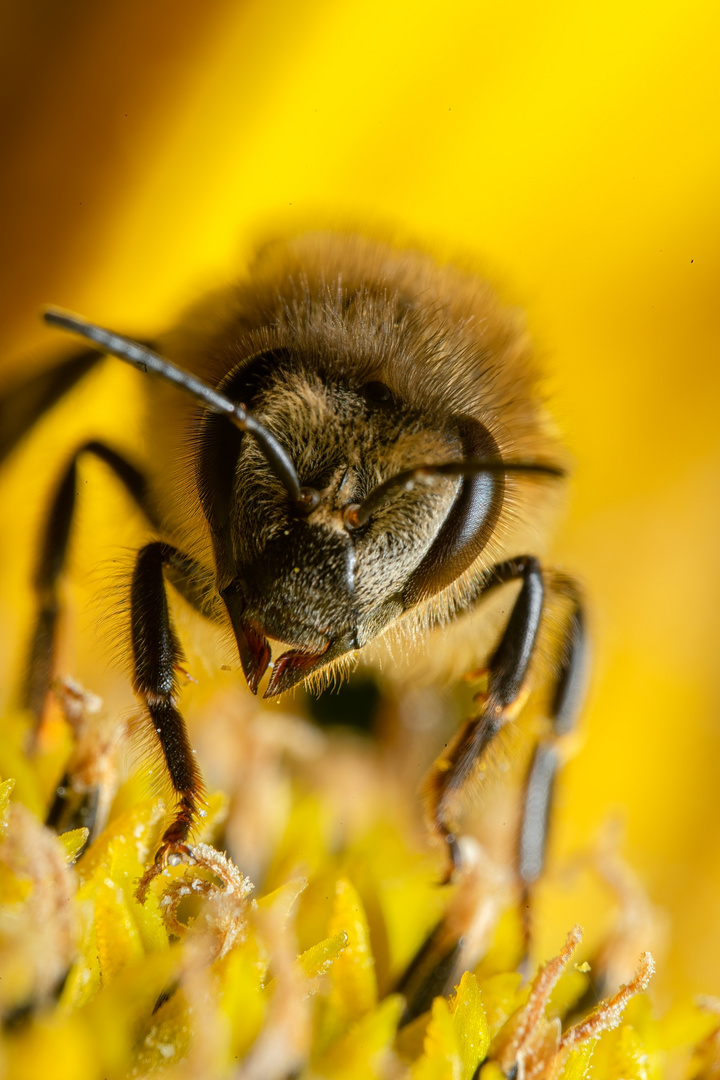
{"points": [[349, 445]]}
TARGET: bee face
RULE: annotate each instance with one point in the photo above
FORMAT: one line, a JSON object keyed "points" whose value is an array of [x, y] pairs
{"points": [[306, 577]]}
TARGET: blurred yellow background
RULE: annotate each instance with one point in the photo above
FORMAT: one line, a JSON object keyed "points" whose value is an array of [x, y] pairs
{"points": [[574, 151]]}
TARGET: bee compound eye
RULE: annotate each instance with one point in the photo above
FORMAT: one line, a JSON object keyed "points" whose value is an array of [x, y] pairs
{"points": [[307, 500]]}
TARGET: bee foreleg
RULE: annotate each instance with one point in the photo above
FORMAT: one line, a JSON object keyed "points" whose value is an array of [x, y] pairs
{"points": [[157, 655], [507, 671]]}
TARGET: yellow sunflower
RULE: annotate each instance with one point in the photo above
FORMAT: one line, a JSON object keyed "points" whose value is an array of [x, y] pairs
{"points": [[573, 153]]}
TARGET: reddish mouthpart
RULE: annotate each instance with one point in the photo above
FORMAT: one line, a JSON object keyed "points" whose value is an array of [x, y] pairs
{"points": [[290, 668], [254, 653]]}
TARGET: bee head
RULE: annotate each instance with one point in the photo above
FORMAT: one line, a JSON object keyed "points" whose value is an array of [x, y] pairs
{"points": [[334, 503], [306, 571]]}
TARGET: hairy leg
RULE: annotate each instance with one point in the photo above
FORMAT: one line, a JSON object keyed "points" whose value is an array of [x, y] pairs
{"points": [[157, 655]]}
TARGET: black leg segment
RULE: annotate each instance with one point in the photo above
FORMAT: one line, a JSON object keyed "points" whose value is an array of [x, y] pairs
{"points": [[565, 704], [507, 671], [157, 655], [51, 563]]}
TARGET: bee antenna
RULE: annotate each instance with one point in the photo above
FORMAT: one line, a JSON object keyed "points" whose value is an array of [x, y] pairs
{"points": [[146, 360], [358, 514]]}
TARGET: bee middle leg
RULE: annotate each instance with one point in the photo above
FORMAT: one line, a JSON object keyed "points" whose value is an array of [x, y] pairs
{"points": [[51, 563], [567, 697], [65, 812]]}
